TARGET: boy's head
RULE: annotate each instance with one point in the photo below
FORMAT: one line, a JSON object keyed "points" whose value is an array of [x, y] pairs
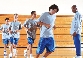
{"points": [[33, 14], [7, 19], [15, 17], [53, 9], [74, 8]]}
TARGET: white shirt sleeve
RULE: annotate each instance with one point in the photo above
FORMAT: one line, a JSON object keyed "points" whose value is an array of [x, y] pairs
{"points": [[79, 22], [41, 17]]}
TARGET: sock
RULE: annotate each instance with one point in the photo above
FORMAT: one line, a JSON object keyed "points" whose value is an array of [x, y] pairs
{"points": [[14, 52], [30, 55], [5, 54], [10, 55]]}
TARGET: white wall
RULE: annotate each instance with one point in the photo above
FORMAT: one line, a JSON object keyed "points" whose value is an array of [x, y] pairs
{"points": [[26, 6]]}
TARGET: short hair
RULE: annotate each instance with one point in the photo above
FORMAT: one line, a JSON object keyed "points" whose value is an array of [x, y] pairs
{"points": [[33, 12], [74, 6], [6, 19], [16, 14], [54, 7]]}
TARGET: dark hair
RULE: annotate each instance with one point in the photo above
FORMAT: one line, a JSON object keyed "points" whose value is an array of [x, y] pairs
{"points": [[54, 7], [74, 6], [15, 14], [6, 19], [33, 12]]}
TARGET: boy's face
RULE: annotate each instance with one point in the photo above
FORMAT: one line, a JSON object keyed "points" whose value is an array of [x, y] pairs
{"points": [[7, 21], [34, 15], [73, 9], [15, 17], [53, 11]]}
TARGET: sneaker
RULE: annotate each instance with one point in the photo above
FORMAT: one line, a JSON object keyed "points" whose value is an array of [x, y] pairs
{"points": [[32, 57], [25, 53], [10, 55], [77, 57], [5, 56]]}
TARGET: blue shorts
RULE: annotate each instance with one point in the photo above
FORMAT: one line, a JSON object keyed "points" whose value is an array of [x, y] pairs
{"points": [[48, 43], [5, 41], [14, 40], [30, 40]]}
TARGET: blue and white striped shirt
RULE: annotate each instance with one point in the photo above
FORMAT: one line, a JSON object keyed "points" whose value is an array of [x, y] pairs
{"points": [[76, 25]]}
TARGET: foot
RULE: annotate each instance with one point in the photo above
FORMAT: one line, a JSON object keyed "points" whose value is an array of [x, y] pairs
{"points": [[5, 56], [10, 55], [77, 57], [32, 57], [43, 57], [25, 53]]}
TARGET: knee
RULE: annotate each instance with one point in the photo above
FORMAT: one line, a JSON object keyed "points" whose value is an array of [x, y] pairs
{"points": [[49, 52], [14, 46]]}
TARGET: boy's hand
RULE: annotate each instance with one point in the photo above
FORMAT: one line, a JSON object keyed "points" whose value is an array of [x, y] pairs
{"points": [[47, 25], [10, 32], [74, 34], [54, 27]]}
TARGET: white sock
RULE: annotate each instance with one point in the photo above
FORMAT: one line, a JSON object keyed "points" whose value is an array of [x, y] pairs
{"points": [[30, 55], [14, 50], [10, 55], [5, 53]]}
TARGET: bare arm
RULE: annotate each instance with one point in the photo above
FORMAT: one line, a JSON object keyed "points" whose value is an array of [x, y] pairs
{"points": [[47, 25]]}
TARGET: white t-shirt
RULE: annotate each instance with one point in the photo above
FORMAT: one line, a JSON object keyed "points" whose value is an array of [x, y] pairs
{"points": [[48, 19], [5, 33], [15, 26]]}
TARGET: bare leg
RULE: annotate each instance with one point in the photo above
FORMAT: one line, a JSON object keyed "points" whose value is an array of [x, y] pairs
{"points": [[5, 53], [37, 55], [46, 54], [5, 47], [14, 50], [30, 48], [11, 48]]}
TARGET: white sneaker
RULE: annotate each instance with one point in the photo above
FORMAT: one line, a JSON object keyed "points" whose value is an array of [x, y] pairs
{"points": [[77, 57], [10, 55], [5, 56], [32, 57], [25, 53]]}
